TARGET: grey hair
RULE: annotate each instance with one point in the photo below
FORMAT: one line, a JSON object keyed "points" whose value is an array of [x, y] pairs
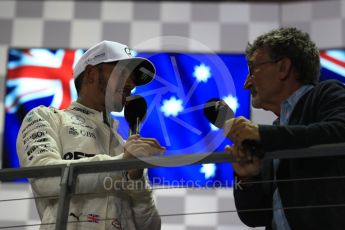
{"points": [[295, 45]]}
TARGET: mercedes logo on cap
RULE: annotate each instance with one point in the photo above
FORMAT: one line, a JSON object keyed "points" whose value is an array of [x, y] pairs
{"points": [[128, 51]]}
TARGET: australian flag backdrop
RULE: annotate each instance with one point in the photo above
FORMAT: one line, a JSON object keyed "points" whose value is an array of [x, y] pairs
{"points": [[184, 82]]}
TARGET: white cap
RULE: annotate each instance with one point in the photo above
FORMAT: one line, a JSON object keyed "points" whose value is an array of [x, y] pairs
{"points": [[108, 51]]}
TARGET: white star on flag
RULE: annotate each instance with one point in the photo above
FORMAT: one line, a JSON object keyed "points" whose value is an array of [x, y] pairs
{"points": [[202, 72], [232, 102], [209, 170], [172, 107]]}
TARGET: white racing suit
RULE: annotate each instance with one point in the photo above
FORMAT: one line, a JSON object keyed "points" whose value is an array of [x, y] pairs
{"points": [[79, 134]]}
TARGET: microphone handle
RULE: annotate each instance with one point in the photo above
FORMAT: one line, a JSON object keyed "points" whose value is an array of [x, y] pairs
{"points": [[253, 147], [134, 128]]}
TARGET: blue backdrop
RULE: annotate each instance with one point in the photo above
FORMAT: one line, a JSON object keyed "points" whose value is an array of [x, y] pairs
{"points": [[184, 82]]}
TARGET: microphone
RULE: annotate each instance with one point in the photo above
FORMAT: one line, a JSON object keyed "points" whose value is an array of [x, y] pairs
{"points": [[218, 112], [135, 112]]}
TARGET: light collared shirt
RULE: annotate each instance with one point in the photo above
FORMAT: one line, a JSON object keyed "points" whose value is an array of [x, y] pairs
{"points": [[279, 219]]}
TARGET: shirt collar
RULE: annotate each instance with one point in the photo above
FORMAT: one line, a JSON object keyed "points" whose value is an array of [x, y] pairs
{"points": [[76, 106], [294, 98], [289, 104], [92, 113]]}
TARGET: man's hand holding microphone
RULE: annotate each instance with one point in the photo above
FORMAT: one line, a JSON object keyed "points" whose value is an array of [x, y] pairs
{"points": [[240, 130], [244, 134], [136, 147]]}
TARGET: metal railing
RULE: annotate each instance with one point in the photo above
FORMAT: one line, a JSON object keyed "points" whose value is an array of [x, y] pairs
{"points": [[68, 173]]}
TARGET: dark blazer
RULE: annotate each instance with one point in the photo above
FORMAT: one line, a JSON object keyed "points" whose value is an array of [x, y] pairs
{"points": [[318, 118]]}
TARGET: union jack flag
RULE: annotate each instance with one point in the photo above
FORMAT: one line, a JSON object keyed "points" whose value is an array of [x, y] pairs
{"points": [[333, 64], [35, 77], [39, 73], [93, 218]]}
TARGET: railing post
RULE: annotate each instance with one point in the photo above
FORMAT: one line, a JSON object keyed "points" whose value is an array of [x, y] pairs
{"points": [[66, 188]]}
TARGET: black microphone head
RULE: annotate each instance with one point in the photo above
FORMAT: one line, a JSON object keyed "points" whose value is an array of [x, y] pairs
{"points": [[135, 109], [217, 112]]}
